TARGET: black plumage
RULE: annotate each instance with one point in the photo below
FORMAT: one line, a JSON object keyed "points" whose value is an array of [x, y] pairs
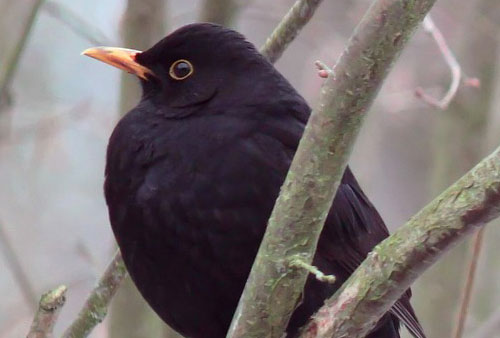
{"points": [[192, 175]]}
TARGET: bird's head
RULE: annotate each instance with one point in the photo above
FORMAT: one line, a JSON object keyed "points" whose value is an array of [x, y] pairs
{"points": [[196, 65]]}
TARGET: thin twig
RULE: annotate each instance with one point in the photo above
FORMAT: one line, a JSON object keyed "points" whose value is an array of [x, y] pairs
{"points": [[298, 262], [17, 269], [399, 260], [289, 27], [451, 61], [76, 24], [96, 305], [48, 310], [469, 284], [12, 62]]}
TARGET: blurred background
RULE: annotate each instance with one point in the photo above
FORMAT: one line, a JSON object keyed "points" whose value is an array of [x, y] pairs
{"points": [[58, 109]]}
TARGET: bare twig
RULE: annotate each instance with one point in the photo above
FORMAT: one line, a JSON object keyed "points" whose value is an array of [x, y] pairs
{"points": [[396, 262], [48, 310], [273, 289], [96, 305], [289, 27], [451, 61], [76, 24], [17, 269], [10, 67], [298, 262], [469, 284]]}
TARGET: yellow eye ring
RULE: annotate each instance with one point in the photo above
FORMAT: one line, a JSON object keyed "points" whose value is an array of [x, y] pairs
{"points": [[181, 69]]}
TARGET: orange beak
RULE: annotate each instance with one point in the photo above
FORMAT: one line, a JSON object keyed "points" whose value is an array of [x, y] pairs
{"points": [[122, 58]]}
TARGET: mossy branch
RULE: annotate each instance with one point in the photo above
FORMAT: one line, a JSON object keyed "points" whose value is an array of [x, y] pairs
{"points": [[96, 305], [48, 310], [272, 290], [288, 29], [396, 262]]}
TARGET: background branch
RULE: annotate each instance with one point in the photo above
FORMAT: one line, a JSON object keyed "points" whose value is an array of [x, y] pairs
{"points": [[10, 67], [76, 23], [273, 288], [48, 310], [17, 269], [96, 305], [288, 29], [396, 262], [451, 61]]}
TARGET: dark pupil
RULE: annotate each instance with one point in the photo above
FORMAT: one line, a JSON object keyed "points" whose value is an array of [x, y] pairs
{"points": [[182, 69]]}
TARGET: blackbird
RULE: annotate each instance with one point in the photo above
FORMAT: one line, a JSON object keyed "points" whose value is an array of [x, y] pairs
{"points": [[193, 172]]}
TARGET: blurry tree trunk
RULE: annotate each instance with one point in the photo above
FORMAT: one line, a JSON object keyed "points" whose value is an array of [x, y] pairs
{"points": [[143, 24], [459, 143], [222, 12]]}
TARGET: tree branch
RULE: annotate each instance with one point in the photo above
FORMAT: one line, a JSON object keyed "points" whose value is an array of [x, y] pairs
{"points": [[76, 23], [273, 289], [395, 263], [288, 29], [49, 308], [96, 305], [12, 61], [14, 263]]}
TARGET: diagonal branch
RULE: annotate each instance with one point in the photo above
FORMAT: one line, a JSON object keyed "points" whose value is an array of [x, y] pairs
{"points": [[288, 29], [96, 305], [273, 287], [75, 23], [15, 265], [396, 262]]}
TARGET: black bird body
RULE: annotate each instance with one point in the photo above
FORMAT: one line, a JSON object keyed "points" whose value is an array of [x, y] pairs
{"points": [[192, 175]]}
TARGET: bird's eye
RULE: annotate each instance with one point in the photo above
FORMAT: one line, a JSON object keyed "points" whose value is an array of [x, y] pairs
{"points": [[181, 69]]}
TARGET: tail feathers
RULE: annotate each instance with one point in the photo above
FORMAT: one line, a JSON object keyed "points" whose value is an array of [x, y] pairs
{"points": [[405, 313]]}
